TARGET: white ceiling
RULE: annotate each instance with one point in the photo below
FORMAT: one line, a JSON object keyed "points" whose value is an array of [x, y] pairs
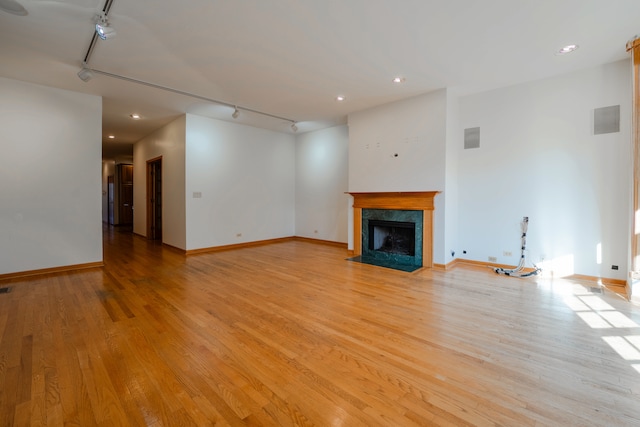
{"points": [[291, 58]]}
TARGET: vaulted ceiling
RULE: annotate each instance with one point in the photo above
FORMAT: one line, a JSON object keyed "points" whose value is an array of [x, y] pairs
{"points": [[290, 59]]}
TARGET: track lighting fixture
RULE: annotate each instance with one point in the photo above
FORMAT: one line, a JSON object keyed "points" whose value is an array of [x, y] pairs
{"points": [[103, 29], [85, 74]]}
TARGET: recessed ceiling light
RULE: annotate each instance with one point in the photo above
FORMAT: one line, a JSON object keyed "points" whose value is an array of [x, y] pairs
{"points": [[567, 49], [111, 137], [340, 98], [398, 79], [135, 116]]}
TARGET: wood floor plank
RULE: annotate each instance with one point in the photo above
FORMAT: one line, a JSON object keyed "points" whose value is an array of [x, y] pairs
{"points": [[294, 334]]}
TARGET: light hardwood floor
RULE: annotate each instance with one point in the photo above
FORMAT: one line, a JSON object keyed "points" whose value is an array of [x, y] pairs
{"points": [[293, 334]]}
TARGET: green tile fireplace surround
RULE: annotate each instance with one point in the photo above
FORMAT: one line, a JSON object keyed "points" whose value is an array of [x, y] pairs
{"points": [[384, 226]]}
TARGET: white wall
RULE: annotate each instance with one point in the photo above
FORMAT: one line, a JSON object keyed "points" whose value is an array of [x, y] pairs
{"points": [[246, 179], [402, 147], [538, 157], [414, 130], [168, 142], [446, 225], [321, 183], [50, 190]]}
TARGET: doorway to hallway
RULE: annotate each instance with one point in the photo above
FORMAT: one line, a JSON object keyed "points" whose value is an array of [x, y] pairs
{"points": [[154, 198]]}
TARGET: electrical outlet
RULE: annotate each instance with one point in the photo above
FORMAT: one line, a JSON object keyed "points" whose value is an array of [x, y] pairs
{"points": [[507, 253], [493, 259], [238, 234], [614, 267]]}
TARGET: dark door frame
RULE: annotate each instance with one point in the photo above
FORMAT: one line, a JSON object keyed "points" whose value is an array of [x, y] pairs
{"points": [[154, 198], [110, 200]]}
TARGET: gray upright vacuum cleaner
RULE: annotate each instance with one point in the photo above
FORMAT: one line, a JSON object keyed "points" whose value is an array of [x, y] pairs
{"points": [[519, 270]]}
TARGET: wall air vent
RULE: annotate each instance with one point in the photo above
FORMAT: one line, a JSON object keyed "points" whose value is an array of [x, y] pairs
{"points": [[606, 120], [471, 138]]}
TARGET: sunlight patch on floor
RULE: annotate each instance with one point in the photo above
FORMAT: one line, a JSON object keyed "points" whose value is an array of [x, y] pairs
{"points": [[595, 321], [623, 347], [599, 314]]}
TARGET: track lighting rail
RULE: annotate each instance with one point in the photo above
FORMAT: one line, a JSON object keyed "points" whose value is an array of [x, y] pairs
{"points": [[105, 12], [189, 94], [86, 73]]}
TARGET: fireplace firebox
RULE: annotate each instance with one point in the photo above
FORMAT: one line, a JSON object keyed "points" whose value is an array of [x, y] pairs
{"points": [[396, 237]]}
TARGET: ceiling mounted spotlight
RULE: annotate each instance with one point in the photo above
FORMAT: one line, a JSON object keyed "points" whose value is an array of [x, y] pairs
{"points": [[294, 127], [103, 29], [85, 74], [236, 113]]}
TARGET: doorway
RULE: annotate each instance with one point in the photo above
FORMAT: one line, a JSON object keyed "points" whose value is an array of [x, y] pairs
{"points": [[124, 175], [154, 199], [110, 200]]}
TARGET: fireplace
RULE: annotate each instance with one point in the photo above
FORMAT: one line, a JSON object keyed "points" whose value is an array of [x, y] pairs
{"points": [[392, 238], [394, 229], [396, 237]]}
